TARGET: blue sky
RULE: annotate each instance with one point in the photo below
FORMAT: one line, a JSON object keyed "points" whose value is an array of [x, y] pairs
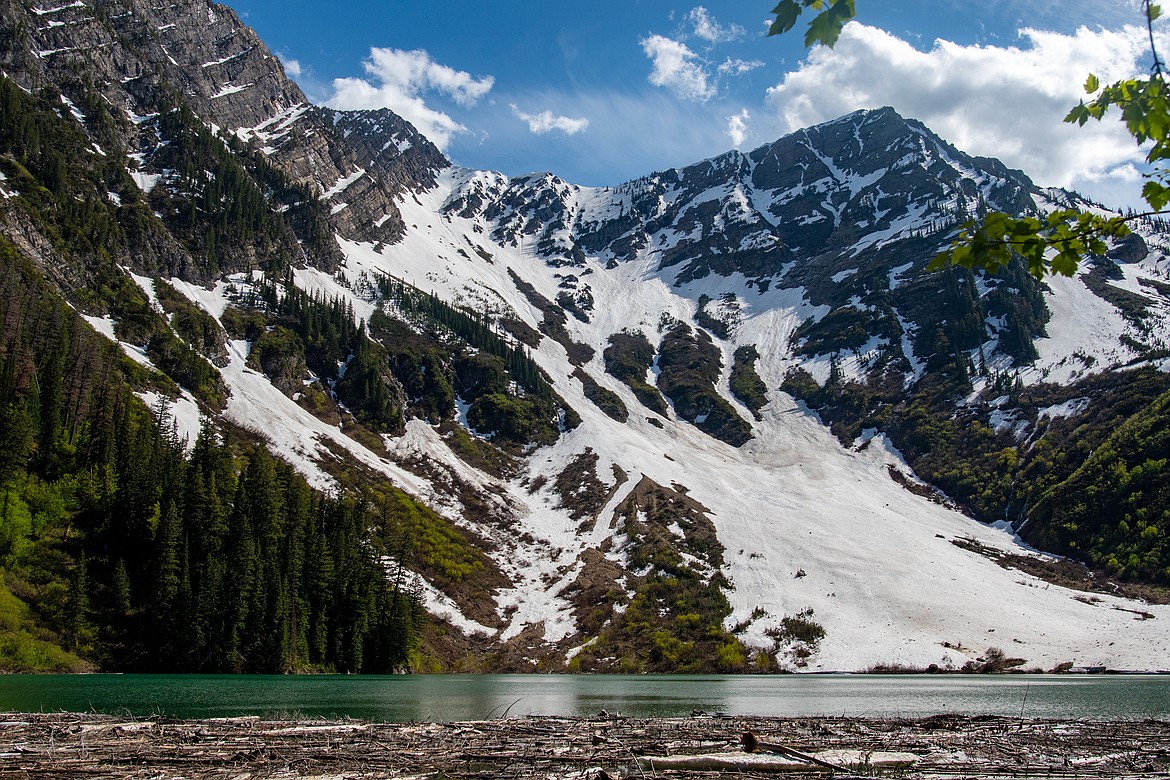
{"points": [[604, 91]]}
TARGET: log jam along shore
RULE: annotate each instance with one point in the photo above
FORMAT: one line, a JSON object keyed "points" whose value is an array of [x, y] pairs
{"points": [[52, 746]]}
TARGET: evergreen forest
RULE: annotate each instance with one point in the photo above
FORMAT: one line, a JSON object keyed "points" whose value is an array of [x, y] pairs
{"points": [[123, 548]]}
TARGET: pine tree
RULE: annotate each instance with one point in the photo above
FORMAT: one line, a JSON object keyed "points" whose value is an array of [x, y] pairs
{"points": [[164, 608], [51, 399], [78, 633]]}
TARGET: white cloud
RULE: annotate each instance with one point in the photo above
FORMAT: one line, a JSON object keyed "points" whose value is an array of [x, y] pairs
{"points": [[1006, 102], [737, 127], [291, 67], [677, 68], [416, 71], [546, 121], [402, 78], [710, 30]]}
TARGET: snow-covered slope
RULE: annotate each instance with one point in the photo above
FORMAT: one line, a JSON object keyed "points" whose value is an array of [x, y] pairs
{"points": [[806, 523]]}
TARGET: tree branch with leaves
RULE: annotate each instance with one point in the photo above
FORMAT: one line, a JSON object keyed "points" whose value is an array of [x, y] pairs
{"points": [[1057, 242]]}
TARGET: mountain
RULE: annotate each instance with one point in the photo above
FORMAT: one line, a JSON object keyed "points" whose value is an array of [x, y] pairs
{"points": [[717, 418]]}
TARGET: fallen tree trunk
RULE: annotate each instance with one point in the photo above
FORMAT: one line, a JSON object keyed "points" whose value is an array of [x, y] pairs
{"points": [[844, 761], [752, 744]]}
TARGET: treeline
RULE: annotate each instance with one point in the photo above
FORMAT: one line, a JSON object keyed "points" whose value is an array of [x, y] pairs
{"points": [[293, 331], [122, 549], [460, 355], [674, 620], [953, 318], [386, 371], [182, 564], [1085, 484], [225, 203], [327, 327], [475, 331], [628, 357], [1113, 509], [689, 366]]}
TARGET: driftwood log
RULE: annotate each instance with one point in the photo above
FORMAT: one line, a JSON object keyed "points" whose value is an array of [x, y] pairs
{"points": [[60, 746], [752, 744]]}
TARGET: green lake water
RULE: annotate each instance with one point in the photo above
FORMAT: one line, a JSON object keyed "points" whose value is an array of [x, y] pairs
{"points": [[472, 697]]}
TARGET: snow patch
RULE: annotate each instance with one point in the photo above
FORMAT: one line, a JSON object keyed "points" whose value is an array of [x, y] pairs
{"points": [[1070, 408], [231, 89], [229, 58], [147, 286], [441, 606], [1082, 325], [182, 413], [145, 181], [56, 9], [103, 325], [80, 117], [342, 184], [1009, 420]]}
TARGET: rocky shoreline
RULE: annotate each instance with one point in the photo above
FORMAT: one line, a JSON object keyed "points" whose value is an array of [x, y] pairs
{"points": [[68, 745]]}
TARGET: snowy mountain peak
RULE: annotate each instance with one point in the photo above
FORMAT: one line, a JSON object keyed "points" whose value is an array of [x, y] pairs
{"points": [[835, 188]]}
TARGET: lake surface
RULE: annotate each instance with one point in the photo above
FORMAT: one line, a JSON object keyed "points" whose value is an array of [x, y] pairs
{"points": [[473, 697]]}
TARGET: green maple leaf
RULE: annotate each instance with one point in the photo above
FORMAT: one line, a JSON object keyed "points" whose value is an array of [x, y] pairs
{"points": [[786, 14]]}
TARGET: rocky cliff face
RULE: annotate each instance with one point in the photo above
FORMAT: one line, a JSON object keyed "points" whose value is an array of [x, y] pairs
{"points": [[144, 58], [849, 211], [135, 53]]}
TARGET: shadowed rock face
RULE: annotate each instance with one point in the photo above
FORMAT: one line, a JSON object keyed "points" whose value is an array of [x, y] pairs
{"points": [[199, 52], [146, 58]]}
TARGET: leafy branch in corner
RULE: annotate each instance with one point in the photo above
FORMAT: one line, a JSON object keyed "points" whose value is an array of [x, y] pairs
{"points": [[1057, 242], [993, 242], [824, 28]]}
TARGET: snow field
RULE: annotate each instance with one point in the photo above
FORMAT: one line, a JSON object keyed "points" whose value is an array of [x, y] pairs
{"points": [[881, 572]]}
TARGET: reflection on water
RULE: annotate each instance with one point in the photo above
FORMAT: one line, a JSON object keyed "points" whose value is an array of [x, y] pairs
{"points": [[474, 697]]}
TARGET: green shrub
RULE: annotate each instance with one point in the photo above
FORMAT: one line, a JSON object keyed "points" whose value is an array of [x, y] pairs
{"points": [[628, 358], [603, 398], [689, 366], [746, 384]]}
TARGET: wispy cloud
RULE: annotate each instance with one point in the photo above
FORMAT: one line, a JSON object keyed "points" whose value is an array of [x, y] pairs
{"points": [[630, 134], [730, 67], [402, 79], [546, 121], [1056, 14], [1006, 102], [705, 27]]}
